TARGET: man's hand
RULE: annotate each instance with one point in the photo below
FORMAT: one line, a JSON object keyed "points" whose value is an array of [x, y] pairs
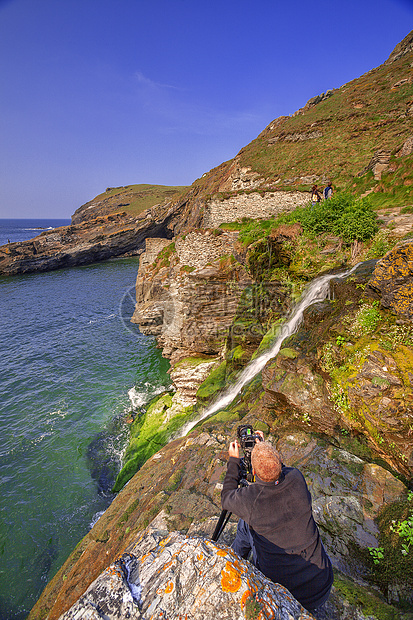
{"points": [[261, 434], [233, 449]]}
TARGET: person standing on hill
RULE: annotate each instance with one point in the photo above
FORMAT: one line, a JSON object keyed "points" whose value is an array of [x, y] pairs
{"points": [[277, 525], [315, 195], [328, 191]]}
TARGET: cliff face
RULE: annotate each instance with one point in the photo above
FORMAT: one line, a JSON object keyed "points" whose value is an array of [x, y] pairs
{"points": [[114, 224], [337, 398], [181, 484], [189, 295], [89, 241]]}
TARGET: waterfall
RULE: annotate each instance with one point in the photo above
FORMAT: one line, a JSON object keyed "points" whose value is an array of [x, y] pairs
{"points": [[317, 291]]}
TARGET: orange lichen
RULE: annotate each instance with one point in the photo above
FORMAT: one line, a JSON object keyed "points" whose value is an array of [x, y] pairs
{"points": [[169, 587], [163, 542], [244, 598], [267, 612], [230, 579], [167, 565], [221, 553], [252, 585], [200, 556]]}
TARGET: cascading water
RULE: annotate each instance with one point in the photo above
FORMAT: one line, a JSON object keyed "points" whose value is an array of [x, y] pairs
{"points": [[317, 291]]}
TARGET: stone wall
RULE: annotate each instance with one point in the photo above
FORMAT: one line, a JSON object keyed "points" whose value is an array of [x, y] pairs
{"points": [[152, 248], [253, 206], [197, 249]]}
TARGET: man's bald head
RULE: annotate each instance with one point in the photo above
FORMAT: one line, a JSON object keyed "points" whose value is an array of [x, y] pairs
{"points": [[266, 461]]}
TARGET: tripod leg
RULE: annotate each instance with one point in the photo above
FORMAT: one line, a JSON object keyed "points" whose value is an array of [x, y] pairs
{"points": [[222, 521]]}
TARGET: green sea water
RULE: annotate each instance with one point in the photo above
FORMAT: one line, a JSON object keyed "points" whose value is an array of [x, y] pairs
{"points": [[72, 365]]}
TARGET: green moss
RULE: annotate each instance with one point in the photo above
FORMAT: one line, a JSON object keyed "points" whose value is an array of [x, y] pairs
{"points": [[253, 609], [268, 340], [213, 383], [396, 563], [290, 353], [192, 361], [369, 604], [174, 481], [128, 512], [225, 416], [149, 433]]}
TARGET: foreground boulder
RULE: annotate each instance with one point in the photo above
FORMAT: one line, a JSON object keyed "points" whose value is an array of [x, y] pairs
{"points": [[173, 576]]}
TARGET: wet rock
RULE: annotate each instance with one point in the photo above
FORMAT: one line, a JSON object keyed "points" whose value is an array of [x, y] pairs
{"points": [[294, 389]]}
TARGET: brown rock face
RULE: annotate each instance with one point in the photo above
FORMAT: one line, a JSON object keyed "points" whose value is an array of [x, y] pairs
{"points": [[393, 280], [188, 297], [293, 387], [181, 484]]}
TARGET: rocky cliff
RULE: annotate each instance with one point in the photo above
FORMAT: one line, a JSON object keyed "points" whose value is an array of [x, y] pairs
{"points": [[336, 401], [215, 289], [171, 565], [113, 224]]}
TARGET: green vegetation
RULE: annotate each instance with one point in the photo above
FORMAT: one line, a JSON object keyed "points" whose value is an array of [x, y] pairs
{"points": [[213, 384], [338, 134], [253, 609], [382, 242], [149, 433], [366, 319], [342, 215], [369, 603], [393, 559], [137, 198]]}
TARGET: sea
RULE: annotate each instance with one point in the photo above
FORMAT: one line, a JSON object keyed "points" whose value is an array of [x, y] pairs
{"points": [[73, 371]]}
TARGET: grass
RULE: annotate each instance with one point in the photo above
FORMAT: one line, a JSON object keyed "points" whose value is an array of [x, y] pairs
{"points": [[137, 198], [361, 117]]}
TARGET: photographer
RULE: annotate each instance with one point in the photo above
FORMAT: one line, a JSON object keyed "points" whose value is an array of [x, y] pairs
{"points": [[277, 525]]}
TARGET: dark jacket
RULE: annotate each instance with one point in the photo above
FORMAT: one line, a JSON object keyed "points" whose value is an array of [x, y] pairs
{"points": [[286, 538]]}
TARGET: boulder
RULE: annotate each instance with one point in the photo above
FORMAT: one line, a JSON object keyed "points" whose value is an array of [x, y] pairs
{"points": [[172, 576]]}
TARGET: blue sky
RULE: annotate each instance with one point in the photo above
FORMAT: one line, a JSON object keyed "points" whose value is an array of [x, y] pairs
{"points": [[98, 93]]}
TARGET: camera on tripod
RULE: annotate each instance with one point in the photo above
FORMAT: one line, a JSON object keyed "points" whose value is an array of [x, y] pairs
{"points": [[247, 439]]}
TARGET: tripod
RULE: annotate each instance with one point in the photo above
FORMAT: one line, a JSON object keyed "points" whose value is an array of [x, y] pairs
{"points": [[247, 439], [246, 476]]}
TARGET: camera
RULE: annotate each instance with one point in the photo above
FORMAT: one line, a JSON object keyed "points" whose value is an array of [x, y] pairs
{"points": [[247, 438]]}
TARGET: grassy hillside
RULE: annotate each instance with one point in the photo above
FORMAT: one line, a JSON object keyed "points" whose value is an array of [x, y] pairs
{"points": [[130, 198], [338, 135], [141, 196], [335, 136]]}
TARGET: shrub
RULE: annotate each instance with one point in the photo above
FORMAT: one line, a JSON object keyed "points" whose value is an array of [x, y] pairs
{"points": [[341, 215]]}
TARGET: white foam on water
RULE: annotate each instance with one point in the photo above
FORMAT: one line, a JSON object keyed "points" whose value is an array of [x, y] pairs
{"points": [[109, 316], [96, 518], [141, 396], [317, 291]]}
